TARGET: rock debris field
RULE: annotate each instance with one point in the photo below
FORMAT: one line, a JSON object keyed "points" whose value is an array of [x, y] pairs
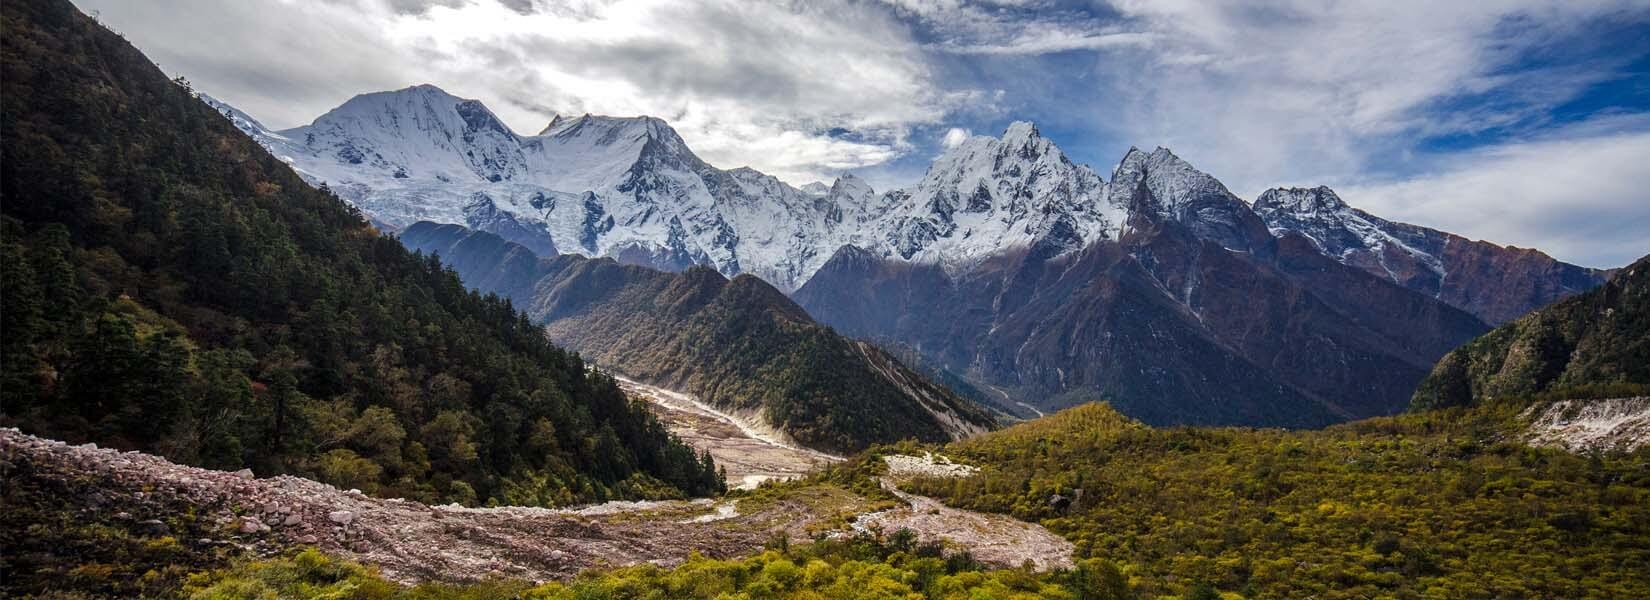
{"points": [[411, 542], [408, 540]]}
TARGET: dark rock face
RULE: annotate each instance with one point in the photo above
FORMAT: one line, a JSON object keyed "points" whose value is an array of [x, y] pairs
{"points": [[1502, 283], [1495, 283], [1197, 315]]}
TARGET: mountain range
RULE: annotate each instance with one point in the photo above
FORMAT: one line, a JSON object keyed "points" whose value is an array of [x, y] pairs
{"points": [[630, 188], [1007, 263]]}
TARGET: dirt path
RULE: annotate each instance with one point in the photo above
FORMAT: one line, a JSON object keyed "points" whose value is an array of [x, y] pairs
{"points": [[750, 452], [994, 539]]}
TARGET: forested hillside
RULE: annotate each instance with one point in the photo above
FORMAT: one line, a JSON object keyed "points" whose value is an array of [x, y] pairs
{"points": [[738, 344], [169, 286], [1441, 504], [1593, 345]]}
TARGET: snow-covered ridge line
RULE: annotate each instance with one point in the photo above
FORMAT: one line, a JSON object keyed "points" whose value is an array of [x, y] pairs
{"points": [[630, 188]]}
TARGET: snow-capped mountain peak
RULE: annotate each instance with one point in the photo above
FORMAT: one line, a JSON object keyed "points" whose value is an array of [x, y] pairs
{"points": [[1174, 183], [987, 195], [1021, 134], [556, 121], [416, 131], [851, 187], [1161, 185]]}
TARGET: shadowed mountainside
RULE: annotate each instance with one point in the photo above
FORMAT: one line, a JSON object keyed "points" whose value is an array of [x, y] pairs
{"points": [[738, 344]]}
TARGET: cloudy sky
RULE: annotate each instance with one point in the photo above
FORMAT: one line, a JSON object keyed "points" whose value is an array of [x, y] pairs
{"points": [[1518, 121]]}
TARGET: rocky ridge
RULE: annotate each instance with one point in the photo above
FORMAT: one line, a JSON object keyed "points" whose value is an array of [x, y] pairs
{"points": [[1495, 283]]}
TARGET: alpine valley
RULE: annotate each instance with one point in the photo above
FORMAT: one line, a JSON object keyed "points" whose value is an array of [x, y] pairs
{"points": [[406, 353], [1025, 274]]}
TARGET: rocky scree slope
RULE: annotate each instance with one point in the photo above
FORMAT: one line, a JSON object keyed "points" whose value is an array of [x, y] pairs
{"points": [[738, 344]]}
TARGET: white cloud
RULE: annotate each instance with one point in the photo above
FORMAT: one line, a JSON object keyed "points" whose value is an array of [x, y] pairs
{"points": [[1581, 198], [1304, 89], [954, 137], [745, 83], [1014, 27]]}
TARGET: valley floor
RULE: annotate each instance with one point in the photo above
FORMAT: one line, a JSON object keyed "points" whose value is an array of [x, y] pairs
{"points": [[750, 452], [206, 512]]}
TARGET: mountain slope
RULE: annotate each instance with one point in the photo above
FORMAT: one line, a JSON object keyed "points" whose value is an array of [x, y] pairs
{"points": [[738, 344], [1596, 344], [1195, 313], [1496, 283], [172, 287]]}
